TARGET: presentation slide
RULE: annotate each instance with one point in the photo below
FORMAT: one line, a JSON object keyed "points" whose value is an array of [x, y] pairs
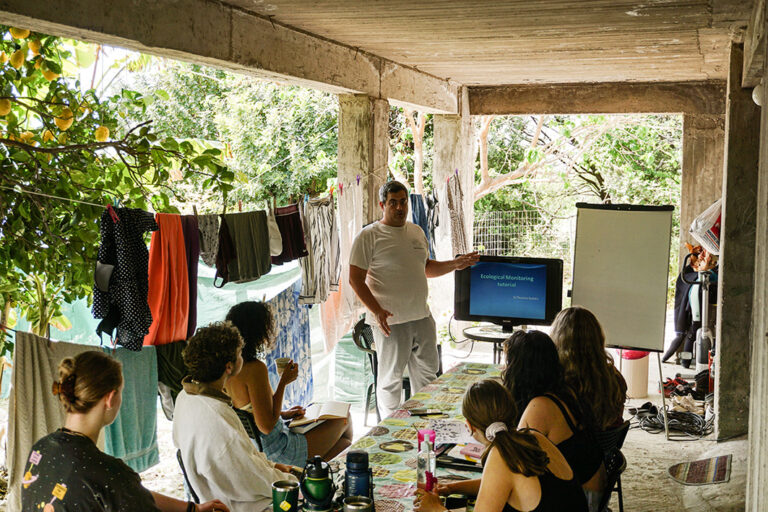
{"points": [[514, 290]]}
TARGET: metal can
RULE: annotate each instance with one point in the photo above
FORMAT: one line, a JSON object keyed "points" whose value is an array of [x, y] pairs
{"points": [[358, 504]]}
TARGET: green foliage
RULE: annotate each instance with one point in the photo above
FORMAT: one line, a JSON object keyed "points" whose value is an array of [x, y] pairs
{"points": [[54, 142], [280, 141]]}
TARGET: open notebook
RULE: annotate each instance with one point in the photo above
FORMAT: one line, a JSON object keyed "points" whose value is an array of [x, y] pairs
{"points": [[317, 413]]}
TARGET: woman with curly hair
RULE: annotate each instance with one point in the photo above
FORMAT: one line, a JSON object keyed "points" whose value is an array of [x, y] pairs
{"points": [[217, 453], [252, 391], [522, 470], [589, 369], [535, 378], [67, 471]]}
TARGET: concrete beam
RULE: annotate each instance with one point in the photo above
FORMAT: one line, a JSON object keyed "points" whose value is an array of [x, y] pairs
{"points": [[737, 254], [216, 34], [754, 46], [600, 98]]}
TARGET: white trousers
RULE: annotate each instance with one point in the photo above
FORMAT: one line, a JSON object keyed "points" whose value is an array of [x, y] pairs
{"points": [[412, 344]]}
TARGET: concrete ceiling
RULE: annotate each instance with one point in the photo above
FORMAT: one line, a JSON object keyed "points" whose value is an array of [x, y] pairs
{"points": [[529, 41]]}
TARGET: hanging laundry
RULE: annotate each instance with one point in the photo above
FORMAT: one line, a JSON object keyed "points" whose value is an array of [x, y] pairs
{"points": [[250, 236], [332, 319], [170, 371], [419, 217], [292, 340], [120, 294], [190, 229], [455, 200], [321, 268], [132, 437], [292, 234], [208, 225], [433, 220], [34, 411], [168, 282], [275, 239], [225, 255]]}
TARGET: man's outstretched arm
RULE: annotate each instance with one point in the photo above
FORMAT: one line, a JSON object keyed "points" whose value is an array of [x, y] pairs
{"points": [[440, 268]]}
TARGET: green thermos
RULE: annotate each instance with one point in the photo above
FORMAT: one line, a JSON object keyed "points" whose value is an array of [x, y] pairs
{"points": [[317, 485]]}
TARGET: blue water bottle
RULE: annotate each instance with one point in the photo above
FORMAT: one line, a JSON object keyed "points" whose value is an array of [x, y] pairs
{"points": [[359, 476]]}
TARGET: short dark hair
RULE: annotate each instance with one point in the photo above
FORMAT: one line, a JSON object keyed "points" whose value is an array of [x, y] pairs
{"points": [[256, 324], [391, 187], [210, 349]]}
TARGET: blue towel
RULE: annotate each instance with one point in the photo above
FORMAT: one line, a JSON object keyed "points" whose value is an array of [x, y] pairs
{"points": [[132, 437], [419, 217]]}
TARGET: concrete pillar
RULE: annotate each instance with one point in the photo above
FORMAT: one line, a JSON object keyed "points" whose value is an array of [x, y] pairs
{"points": [[757, 472], [453, 149], [737, 254], [703, 140]]}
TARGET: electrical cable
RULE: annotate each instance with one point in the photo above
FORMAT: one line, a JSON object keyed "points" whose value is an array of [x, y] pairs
{"points": [[455, 341], [689, 424]]}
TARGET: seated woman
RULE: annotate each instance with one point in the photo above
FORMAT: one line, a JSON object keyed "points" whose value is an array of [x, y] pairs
{"points": [[589, 369], [523, 470], [67, 472], [218, 455], [250, 389], [534, 377]]}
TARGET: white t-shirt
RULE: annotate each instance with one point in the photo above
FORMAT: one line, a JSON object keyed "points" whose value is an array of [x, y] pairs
{"points": [[395, 258], [220, 460]]}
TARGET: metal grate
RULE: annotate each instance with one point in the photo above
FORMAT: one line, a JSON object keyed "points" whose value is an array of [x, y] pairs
{"points": [[524, 233]]}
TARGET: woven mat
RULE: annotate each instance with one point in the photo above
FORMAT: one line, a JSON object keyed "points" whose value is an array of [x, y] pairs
{"points": [[702, 472]]}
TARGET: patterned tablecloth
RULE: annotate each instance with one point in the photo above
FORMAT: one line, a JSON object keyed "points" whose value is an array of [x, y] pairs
{"points": [[392, 443]]}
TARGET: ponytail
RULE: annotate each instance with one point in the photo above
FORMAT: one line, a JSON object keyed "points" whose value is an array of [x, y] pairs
{"points": [[489, 406]]}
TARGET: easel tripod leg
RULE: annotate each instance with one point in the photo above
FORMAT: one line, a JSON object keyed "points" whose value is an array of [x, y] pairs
{"points": [[663, 397]]}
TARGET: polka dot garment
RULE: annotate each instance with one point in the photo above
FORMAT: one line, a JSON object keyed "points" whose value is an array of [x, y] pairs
{"points": [[125, 306]]}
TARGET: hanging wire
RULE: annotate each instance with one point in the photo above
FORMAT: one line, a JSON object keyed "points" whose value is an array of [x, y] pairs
{"points": [[20, 190]]}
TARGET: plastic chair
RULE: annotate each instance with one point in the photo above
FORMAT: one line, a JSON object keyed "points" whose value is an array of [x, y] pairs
{"points": [[613, 468], [189, 488], [362, 335], [611, 442], [246, 418]]}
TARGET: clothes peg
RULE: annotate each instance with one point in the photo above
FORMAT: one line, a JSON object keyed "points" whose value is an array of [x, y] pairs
{"points": [[341, 189], [113, 214], [358, 180]]}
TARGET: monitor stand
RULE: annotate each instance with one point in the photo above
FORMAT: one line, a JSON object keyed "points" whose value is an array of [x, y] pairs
{"points": [[507, 326]]}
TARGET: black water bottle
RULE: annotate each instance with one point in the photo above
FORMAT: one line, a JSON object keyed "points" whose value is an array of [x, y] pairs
{"points": [[358, 477]]}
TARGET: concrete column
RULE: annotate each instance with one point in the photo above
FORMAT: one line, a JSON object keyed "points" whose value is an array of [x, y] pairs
{"points": [[703, 140], [737, 254], [453, 149], [363, 142], [757, 472]]}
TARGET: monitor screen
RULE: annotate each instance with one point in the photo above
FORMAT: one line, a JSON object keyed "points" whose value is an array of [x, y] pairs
{"points": [[510, 290]]}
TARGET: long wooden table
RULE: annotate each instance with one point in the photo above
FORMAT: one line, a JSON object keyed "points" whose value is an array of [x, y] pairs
{"points": [[391, 444]]}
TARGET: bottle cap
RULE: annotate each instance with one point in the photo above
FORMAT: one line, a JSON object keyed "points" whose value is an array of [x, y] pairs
{"points": [[317, 468], [357, 460]]}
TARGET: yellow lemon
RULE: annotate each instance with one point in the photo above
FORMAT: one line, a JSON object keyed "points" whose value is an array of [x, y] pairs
{"points": [[35, 47], [50, 75], [48, 136], [5, 107], [3, 58], [26, 137], [101, 134], [62, 138], [38, 62], [17, 59], [19, 33], [64, 121]]}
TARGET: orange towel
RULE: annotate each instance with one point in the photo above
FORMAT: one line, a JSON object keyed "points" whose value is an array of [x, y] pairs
{"points": [[168, 295]]}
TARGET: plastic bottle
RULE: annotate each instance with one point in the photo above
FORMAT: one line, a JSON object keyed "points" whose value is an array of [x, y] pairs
{"points": [[426, 469], [358, 477]]}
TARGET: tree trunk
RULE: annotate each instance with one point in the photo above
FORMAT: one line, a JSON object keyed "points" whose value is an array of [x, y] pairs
{"points": [[417, 129]]}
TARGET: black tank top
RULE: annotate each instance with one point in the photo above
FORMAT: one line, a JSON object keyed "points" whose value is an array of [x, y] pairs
{"points": [[582, 454], [557, 496]]}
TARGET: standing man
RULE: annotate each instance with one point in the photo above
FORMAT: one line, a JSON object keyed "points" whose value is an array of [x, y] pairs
{"points": [[388, 269]]}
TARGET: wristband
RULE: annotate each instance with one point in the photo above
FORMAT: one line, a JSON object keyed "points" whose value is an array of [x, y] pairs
{"points": [[191, 506]]}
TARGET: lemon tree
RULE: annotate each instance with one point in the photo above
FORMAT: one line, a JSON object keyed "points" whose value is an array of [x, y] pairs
{"points": [[62, 147]]}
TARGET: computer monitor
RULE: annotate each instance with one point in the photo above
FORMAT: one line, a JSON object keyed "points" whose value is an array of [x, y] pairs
{"points": [[509, 291]]}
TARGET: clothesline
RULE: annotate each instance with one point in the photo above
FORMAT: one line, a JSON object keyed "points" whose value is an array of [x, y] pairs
{"points": [[25, 191]]}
